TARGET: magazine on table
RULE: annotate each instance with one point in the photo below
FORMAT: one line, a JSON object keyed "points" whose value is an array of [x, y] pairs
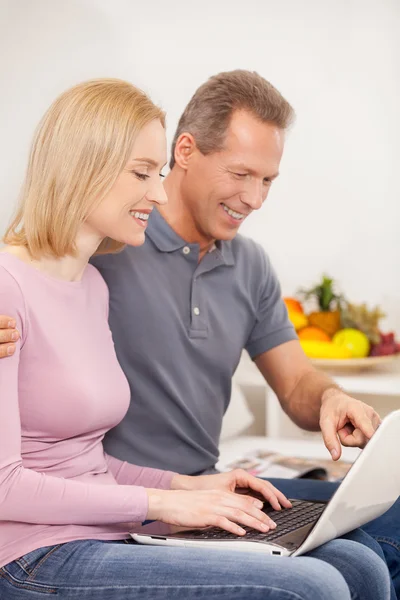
{"points": [[267, 464]]}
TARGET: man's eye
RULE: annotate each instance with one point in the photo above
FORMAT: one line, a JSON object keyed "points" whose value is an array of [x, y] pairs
{"points": [[240, 174], [141, 176]]}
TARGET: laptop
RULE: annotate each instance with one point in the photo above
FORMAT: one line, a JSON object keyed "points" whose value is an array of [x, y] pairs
{"points": [[369, 489]]}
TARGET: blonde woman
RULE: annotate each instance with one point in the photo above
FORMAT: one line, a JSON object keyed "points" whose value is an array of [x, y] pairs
{"points": [[66, 508]]}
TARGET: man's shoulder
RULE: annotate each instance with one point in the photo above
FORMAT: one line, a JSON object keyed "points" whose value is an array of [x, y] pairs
{"points": [[243, 243], [112, 259], [247, 252]]}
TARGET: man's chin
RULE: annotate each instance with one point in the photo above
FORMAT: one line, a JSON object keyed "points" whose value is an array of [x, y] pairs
{"points": [[226, 234]]}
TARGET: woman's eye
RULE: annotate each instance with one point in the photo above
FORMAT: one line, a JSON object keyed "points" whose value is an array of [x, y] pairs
{"points": [[141, 176], [240, 174]]}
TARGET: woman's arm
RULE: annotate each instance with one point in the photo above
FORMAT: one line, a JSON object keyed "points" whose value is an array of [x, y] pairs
{"points": [[33, 497], [127, 474]]}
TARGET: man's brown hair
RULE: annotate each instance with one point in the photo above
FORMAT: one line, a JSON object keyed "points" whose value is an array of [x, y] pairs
{"points": [[208, 113]]}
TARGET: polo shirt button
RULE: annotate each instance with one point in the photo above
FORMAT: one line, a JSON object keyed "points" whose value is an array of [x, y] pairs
{"points": [[186, 250], [196, 311]]}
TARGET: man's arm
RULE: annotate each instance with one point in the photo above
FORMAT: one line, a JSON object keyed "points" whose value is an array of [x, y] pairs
{"points": [[313, 400], [297, 384]]}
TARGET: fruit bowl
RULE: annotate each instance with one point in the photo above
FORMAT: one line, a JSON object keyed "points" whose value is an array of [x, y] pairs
{"points": [[354, 364], [338, 334]]}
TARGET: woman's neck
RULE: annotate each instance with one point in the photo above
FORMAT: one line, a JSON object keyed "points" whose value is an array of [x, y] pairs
{"points": [[66, 268]]}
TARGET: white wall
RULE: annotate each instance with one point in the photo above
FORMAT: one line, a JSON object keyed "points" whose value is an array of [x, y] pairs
{"points": [[336, 205]]}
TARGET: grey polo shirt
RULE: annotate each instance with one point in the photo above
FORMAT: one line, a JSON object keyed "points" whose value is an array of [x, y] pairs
{"points": [[179, 327]]}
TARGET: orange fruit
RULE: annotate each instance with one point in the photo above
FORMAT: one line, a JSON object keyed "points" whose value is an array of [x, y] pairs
{"points": [[293, 305], [313, 333]]}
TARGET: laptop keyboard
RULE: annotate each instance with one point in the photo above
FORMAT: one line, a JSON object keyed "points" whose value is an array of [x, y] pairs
{"points": [[287, 520]]}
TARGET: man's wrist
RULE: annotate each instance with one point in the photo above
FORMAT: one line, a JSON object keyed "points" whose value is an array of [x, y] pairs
{"points": [[329, 391]]}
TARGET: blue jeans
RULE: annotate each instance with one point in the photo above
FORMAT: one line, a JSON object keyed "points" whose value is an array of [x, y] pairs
{"points": [[342, 569], [385, 530]]}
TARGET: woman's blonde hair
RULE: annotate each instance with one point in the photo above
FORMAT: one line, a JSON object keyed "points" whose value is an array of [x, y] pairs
{"points": [[80, 147]]}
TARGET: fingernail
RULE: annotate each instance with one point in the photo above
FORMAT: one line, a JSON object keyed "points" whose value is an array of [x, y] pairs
{"points": [[10, 350], [334, 454], [11, 324], [273, 524], [265, 527], [14, 336], [259, 504]]}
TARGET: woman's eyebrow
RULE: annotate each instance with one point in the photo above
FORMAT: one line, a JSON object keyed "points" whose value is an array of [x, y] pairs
{"points": [[148, 161]]}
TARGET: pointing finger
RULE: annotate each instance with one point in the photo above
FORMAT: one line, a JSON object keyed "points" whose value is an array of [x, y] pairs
{"points": [[329, 434]]}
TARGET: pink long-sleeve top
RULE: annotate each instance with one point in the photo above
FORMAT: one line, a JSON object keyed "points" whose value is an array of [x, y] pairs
{"points": [[59, 393]]}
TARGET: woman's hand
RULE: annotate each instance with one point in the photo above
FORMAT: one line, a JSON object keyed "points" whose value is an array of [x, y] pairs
{"points": [[203, 508], [238, 478]]}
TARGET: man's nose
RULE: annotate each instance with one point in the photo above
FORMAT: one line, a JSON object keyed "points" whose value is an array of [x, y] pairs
{"points": [[255, 196]]}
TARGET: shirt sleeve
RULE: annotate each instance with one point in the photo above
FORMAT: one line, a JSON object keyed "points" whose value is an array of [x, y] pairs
{"points": [[33, 497], [128, 474], [272, 326]]}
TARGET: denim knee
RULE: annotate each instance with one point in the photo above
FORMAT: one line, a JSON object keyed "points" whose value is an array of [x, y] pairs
{"points": [[366, 574], [317, 580]]}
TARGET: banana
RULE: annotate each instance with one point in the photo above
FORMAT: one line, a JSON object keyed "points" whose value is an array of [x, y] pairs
{"points": [[315, 349]]}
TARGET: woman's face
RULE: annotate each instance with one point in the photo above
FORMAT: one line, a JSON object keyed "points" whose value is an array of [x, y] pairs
{"points": [[123, 213]]}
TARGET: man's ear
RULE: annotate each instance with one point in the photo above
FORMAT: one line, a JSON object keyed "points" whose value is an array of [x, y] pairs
{"points": [[185, 147]]}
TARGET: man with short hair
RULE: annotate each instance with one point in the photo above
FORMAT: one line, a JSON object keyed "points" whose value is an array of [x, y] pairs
{"points": [[185, 304]]}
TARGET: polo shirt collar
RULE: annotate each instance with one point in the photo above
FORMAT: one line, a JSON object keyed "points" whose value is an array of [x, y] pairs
{"points": [[225, 251], [167, 240], [162, 235]]}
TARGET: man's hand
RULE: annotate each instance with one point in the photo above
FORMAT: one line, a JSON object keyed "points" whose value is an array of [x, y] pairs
{"points": [[313, 401], [345, 420], [8, 335], [228, 482]]}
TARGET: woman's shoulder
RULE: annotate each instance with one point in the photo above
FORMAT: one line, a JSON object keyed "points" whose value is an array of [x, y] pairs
{"points": [[9, 277], [12, 300], [16, 275]]}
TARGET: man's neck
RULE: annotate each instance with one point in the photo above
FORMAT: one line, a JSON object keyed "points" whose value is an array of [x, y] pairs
{"points": [[178, 215]]}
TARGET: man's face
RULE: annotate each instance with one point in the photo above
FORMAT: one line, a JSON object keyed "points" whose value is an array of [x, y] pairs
{"points": [[222, 188]]}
